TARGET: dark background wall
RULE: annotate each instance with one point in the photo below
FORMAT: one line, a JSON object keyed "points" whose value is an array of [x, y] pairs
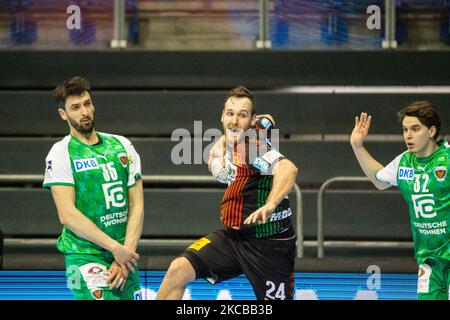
{"points": [[211, 70], [147, 95]]}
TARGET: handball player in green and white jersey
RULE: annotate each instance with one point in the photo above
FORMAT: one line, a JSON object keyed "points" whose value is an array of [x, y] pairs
{"points": [[421, 174], [95, 180]]}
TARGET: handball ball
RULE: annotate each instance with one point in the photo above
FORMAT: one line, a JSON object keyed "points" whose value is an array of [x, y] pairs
{"points": [[219, 172]]}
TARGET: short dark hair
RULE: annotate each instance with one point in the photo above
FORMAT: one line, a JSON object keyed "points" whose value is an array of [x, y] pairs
{"points": [[425, 112], [71, 87], [242, 92]]}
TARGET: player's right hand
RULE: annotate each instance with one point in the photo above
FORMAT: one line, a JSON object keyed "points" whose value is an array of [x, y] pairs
{"points": [[126, 258], [361, 129], [218, 150]]}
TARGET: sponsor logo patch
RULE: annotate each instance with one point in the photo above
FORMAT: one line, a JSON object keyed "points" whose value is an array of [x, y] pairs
{"points": [[123, 159], [272, 156], [261, 164], [280, 215], [85, 164], [48, 167], [405, 173], [200, 243], [98, 294], [440, 173], [232, 171], [423, 281], [95, 274], [265, 123]]}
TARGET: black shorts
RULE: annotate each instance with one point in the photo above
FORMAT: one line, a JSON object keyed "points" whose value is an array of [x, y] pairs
{"points": [[225, 254]]}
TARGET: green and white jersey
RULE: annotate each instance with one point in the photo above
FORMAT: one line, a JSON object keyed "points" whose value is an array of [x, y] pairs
{"points": [[425, 185], [101, 175]]}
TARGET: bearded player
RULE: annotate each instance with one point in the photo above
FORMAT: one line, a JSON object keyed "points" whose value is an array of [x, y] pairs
{"points": [[95, 180]]}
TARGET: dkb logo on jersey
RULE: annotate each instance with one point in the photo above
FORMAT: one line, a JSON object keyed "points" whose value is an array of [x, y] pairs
{"points": [[85, 164], [405, 173], [424, 205], [114, 195]]}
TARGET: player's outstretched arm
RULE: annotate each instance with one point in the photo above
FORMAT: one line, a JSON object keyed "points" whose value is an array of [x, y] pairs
{"points": [[284, 175], [76, 221], [368, 164]]}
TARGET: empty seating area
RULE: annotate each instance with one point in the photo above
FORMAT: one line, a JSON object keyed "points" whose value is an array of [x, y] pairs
{"points": [[147, 96]]}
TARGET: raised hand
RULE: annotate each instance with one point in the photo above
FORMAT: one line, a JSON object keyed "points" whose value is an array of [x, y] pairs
{"points": [[217, 151], [361, 129]]}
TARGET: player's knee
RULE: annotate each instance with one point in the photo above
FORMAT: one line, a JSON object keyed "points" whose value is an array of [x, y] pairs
{"points": [[181, 271]]}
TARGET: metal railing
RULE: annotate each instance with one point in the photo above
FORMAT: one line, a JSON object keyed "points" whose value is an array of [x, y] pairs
{"points": [[320, 222], [263, 42], [389, 41], [168, 179]]}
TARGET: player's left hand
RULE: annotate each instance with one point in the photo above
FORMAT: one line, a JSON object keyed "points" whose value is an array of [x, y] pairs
{"points": [[261, 215], [116, 278]]}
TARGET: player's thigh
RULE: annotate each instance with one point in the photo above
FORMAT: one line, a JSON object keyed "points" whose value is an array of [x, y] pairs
{"points": [[212, 258], [433, 281], [270, 270]]}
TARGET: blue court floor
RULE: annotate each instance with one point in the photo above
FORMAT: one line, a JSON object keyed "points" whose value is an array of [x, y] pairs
{"points": [[52, 285]]}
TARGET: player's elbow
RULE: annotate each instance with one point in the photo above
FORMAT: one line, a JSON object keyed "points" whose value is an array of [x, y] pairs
{"points": [[64, 217], [294, 169], [291, 168]]}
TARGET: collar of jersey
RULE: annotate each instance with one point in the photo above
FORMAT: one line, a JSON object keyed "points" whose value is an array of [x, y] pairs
{"points": [[88, 145], [431, 156]]}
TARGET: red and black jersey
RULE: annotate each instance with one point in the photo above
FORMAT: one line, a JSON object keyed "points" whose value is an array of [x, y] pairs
{"points": [[249, 185]]}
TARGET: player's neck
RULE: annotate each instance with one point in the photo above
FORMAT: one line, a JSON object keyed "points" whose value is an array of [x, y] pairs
{"points": [[428, 150], [87, 138]]}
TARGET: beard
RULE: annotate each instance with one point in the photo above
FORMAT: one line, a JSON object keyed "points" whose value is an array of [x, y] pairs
{"points": [[82, 128]]}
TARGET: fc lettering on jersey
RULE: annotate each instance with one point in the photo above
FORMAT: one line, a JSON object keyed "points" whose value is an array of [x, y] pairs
{"points": [[405, 173], [85, 164]]}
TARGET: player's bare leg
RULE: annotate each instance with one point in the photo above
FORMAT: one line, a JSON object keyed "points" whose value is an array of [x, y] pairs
{"points": [[179, 274]]}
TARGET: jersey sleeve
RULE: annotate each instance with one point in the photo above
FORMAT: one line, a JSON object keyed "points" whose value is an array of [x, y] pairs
{"points": [[267, 161], [134, 162], [58, 170], [389, 173]]}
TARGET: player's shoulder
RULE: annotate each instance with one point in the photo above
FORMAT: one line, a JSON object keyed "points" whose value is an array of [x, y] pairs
{"points": [[61, 146], [399, 159], [445, 147], [122, 139]]}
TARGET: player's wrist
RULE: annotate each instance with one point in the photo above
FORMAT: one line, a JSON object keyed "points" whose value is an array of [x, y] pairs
{"points": [[271, 204], [115, 247], [357, 146], [131, 246]]}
